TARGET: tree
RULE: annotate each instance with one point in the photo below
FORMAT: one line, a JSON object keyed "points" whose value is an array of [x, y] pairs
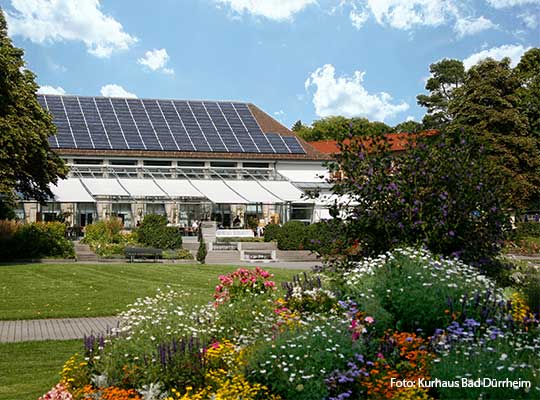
{"points": [[27, 164], [339, 127], [528, 74], [408, 127], [488, 104], [440, 193], [446, 76], [298, 126]]}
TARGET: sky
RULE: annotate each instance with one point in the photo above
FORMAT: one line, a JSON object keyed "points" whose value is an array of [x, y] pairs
{"points": [[295, 59]]}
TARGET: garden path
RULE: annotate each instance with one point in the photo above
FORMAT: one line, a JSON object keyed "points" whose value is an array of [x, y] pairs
{"points": [[54, 329]]}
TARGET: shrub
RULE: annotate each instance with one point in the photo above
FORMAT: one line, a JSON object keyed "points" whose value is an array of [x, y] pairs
{"points": [[325, 238], [527, 229], [271, 232], [104, 231], [154, 232], [443, 194], [292, 236], [36, 240], [201, 252], [241, 282], [418, 289]]}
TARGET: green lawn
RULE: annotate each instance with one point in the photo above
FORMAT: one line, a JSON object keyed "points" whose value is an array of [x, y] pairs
{"points": [[31, 291], [30, 369]]}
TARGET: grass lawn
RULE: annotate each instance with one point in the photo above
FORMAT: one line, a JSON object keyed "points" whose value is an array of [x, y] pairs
{"points": [[31, 291], [30, 369]]}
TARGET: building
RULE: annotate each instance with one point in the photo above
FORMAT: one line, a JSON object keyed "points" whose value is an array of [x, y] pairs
{"points": [[225, 161]]}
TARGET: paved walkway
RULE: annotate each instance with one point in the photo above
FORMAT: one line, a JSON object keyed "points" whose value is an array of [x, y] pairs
{"points": [[54, 329]]}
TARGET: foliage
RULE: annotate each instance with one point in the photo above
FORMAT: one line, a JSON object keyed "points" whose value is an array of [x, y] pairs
{"points": [[528, 74], [417, 289], [295, 363], [106, 238], [202, 252], [325, 238], [409, 127], [154, 232], [27, 164], [59, 392], [531, 292], [338, 127], [180, 254], [446, 76], [34, 240], [526, 229], [306, 294], [291, 236], [242, 281], [241, 239], [442, 194], [488, 104], [271, 232]]}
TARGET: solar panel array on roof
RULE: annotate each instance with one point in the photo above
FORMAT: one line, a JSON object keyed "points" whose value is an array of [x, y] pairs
{"points": [[102, 123]]}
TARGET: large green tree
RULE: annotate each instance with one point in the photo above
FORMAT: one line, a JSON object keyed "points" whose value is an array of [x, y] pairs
{"points": [[446, 76], [488, 104], [338, 128], [528, 74], [27, 164]]}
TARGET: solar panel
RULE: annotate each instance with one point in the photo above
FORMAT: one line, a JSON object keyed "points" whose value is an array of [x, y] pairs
{"points": [[101, 123], [293, 144], [278, 143]]}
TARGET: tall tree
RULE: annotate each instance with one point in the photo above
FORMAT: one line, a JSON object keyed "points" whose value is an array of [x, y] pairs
{"points": [[27, 164], [528, 74], [446, 76], [488, 104], [339, 127], [408, 127]]}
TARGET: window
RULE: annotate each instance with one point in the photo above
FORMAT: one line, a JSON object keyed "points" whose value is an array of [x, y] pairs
{"points": [[190, 163], [223, 164], [157, 163], [81, 161], [256, 165], [123, 162]]}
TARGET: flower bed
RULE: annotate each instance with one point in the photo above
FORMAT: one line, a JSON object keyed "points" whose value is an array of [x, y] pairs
{"points": [[405, 316]]}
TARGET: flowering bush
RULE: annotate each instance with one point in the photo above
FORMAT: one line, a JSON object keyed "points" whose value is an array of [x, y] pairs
{"points": [[59, 392], [243, 281]]}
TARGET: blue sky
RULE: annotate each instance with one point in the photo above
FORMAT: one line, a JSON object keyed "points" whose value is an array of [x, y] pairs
{"points": [[296, 59]]}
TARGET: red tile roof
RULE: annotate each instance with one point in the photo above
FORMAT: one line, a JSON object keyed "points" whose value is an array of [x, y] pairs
{"points": [[398, 141]]}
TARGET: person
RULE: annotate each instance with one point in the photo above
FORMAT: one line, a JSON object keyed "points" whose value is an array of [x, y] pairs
{"points": [[236, 221], [195, 226], [260, 227]]}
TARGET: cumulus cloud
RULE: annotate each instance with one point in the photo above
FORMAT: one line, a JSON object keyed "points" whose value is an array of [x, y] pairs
{"points": [[514, 52], [530, 20], [358, 18], [46, 89], [471, 26], [406, 14], [511, 3], [156, 60], [277, 10], [43, 21], [410, 118], [347, 96], [114, 90]]}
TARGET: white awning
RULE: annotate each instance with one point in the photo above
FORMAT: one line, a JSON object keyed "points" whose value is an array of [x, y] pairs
{"points": [[71, 191], [253, 192], [104, 187], [218, 192], [142, 188], [285, 191], [303, 173], [178, 188]]}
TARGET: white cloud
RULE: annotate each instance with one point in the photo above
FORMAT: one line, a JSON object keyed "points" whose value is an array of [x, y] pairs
{"points": [[410, 118], [358, 18], [156, 60], [514, 51], [406, 14], [114, 90], [471, 26], [530, 20], [346, 96], [44, 21], [277, 10], [511, 3], [46, 89]]}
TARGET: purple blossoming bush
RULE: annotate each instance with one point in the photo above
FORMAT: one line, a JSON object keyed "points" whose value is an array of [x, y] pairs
{"points": [[442, 194]]}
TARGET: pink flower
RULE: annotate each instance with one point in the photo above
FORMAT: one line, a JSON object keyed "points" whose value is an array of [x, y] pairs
{"points": [[269, 284], [369, 320]]}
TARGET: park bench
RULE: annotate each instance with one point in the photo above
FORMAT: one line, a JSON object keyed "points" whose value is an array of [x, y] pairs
{"points": [[132, 253]]}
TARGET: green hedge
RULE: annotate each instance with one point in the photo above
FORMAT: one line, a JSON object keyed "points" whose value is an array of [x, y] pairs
{"points": [[154, 232], [527, 229], [271, 232], [292, 236], [36, 240]]}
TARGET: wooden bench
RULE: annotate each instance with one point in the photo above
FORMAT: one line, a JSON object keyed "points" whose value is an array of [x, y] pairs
{"points": [[133, 253]]}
